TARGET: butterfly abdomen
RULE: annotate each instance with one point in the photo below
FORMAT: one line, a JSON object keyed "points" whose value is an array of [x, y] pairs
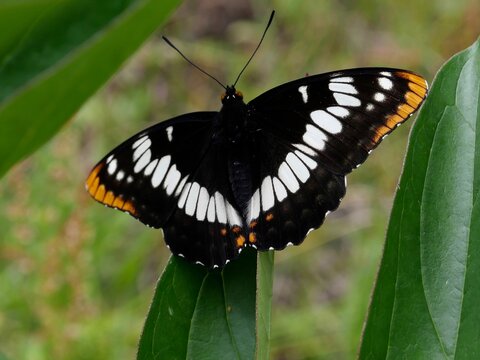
{"points": [[240, 174]]}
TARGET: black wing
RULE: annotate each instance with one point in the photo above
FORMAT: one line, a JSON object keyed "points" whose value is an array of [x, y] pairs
{"points": [[312, 132], [174, 176]]}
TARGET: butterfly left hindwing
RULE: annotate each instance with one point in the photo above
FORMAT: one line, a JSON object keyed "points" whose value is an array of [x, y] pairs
{"points": [[175, 176], [206, 226]]}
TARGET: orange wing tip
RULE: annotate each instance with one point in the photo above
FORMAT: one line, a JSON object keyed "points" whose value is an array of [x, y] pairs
{"points": [[100, 193], [118, 202], [405, 110], [414, 78], [92, 189], [413, 99], [418, 88], [421, 91], [109, 198], [92, 177]]}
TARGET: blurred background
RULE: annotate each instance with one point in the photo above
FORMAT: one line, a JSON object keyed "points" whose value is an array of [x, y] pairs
{"points": [[76, 279]]}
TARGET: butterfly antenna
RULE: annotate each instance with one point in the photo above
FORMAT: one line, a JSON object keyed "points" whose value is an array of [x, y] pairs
{"points": [[258, 46], [191, 63]]}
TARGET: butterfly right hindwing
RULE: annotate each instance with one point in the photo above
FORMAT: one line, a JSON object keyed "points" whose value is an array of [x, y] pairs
{"points": [[293, 196]]}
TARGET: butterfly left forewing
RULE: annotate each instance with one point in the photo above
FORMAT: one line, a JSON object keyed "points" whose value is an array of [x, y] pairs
{"points": [[144, 175]]}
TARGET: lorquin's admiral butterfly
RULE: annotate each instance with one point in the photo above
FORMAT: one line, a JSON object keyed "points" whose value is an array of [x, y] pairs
{"points": [[262, 174]]}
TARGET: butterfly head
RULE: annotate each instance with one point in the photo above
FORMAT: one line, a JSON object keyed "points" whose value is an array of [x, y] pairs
{"points": [[231, 94]]}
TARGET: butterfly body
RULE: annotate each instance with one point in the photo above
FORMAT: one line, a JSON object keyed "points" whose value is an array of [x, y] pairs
{"points": [[262, 173], [240, 131]]}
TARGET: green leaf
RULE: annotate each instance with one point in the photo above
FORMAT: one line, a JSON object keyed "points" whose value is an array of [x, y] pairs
{"points": [[201, 314], [425, 302], [264, 303], [168, 322], [54, 54]]}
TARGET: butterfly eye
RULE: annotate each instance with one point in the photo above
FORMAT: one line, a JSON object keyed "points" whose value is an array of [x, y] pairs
{"points": [[239, 94]]}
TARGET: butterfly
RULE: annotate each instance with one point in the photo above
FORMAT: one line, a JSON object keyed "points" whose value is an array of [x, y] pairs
{"points": [[261, 174]]}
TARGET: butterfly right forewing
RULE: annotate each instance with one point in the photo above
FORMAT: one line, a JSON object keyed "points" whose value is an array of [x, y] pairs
{"points": [[317, 130], [353, 110]]}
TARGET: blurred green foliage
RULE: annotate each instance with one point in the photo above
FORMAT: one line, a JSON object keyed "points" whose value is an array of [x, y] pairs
{"points": [[76, 279]]}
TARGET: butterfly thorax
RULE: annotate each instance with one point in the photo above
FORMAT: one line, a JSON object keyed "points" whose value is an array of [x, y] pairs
{"points": [[233, 115]]}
